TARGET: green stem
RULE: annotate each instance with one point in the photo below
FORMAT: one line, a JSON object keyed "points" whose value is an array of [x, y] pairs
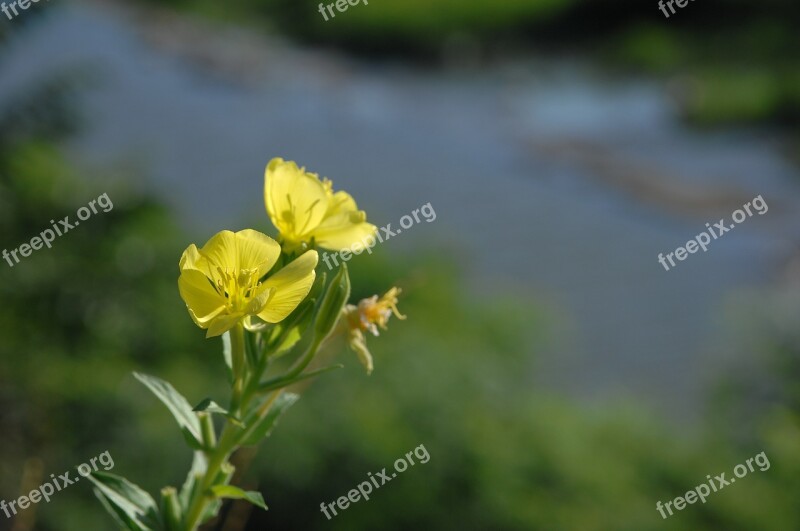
{"points": [[207, 429], [217, 458], [238, 362], [301, 363], [255, 379], [171, 508], [232, 435], [229, 439]]}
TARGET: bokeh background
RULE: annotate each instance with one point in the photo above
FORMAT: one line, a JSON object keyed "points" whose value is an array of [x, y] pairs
{"points": [[559, 377]]}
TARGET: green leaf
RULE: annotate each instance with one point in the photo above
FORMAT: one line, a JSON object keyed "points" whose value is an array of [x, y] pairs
{"points": [[121, 519], [278, 383], [331, 307], [209, 406], [261, 428], [226, 472], [131, 506], [177, 405], [235, 493]]}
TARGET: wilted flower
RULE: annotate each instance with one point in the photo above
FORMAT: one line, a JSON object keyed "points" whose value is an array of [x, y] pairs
{"points": [[370, 314], [223, 282], [303, 209]]}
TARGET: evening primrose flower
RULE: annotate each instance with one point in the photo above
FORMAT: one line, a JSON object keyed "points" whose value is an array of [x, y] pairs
{"points": [[305, 209], [223, 282], [368, 316]]}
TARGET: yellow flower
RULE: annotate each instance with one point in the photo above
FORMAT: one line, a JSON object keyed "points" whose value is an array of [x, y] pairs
{"points": [[303, 208], [368, 316], [223, 282]]}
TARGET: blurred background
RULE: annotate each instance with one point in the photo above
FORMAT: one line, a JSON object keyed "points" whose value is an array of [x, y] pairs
{"points": [[559, 377]]}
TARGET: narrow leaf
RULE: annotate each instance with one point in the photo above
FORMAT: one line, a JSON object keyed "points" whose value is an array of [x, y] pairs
{"points": [[261, 428], [135, 507], [177, 405], [278, 383], [123, 520], [235, 493], [209, 406]]}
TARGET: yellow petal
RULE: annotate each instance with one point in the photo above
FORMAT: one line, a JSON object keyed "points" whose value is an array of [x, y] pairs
{"points": [[222, 324], [200, 296], [291, 285], [340, 202], [189, 258], [341, 233], [260, 300], [296, 201], [220, 251], [359, 345], [256, 251], [193, 259]]}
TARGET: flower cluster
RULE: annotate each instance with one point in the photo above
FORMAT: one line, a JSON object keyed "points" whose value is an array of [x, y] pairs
{"points": [[265, 299]]}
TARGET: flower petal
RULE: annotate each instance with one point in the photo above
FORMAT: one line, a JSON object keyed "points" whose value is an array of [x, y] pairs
{"points": [[291, 285], [200, 296], [222, 324], [221, 251], [193, 259], [296, 200], [189, 258], [256, 251], [340, 232], [340, 202], [260, 300], [358, 343]]}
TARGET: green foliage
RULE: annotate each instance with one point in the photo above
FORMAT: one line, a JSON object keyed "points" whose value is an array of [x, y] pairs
{"points": [[261, 428], [177, 405], [132, 507], [235, 493], [251, 418]]}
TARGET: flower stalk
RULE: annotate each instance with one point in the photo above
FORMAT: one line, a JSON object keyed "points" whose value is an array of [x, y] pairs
{"points": [[238, 360], [266, 301]]}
